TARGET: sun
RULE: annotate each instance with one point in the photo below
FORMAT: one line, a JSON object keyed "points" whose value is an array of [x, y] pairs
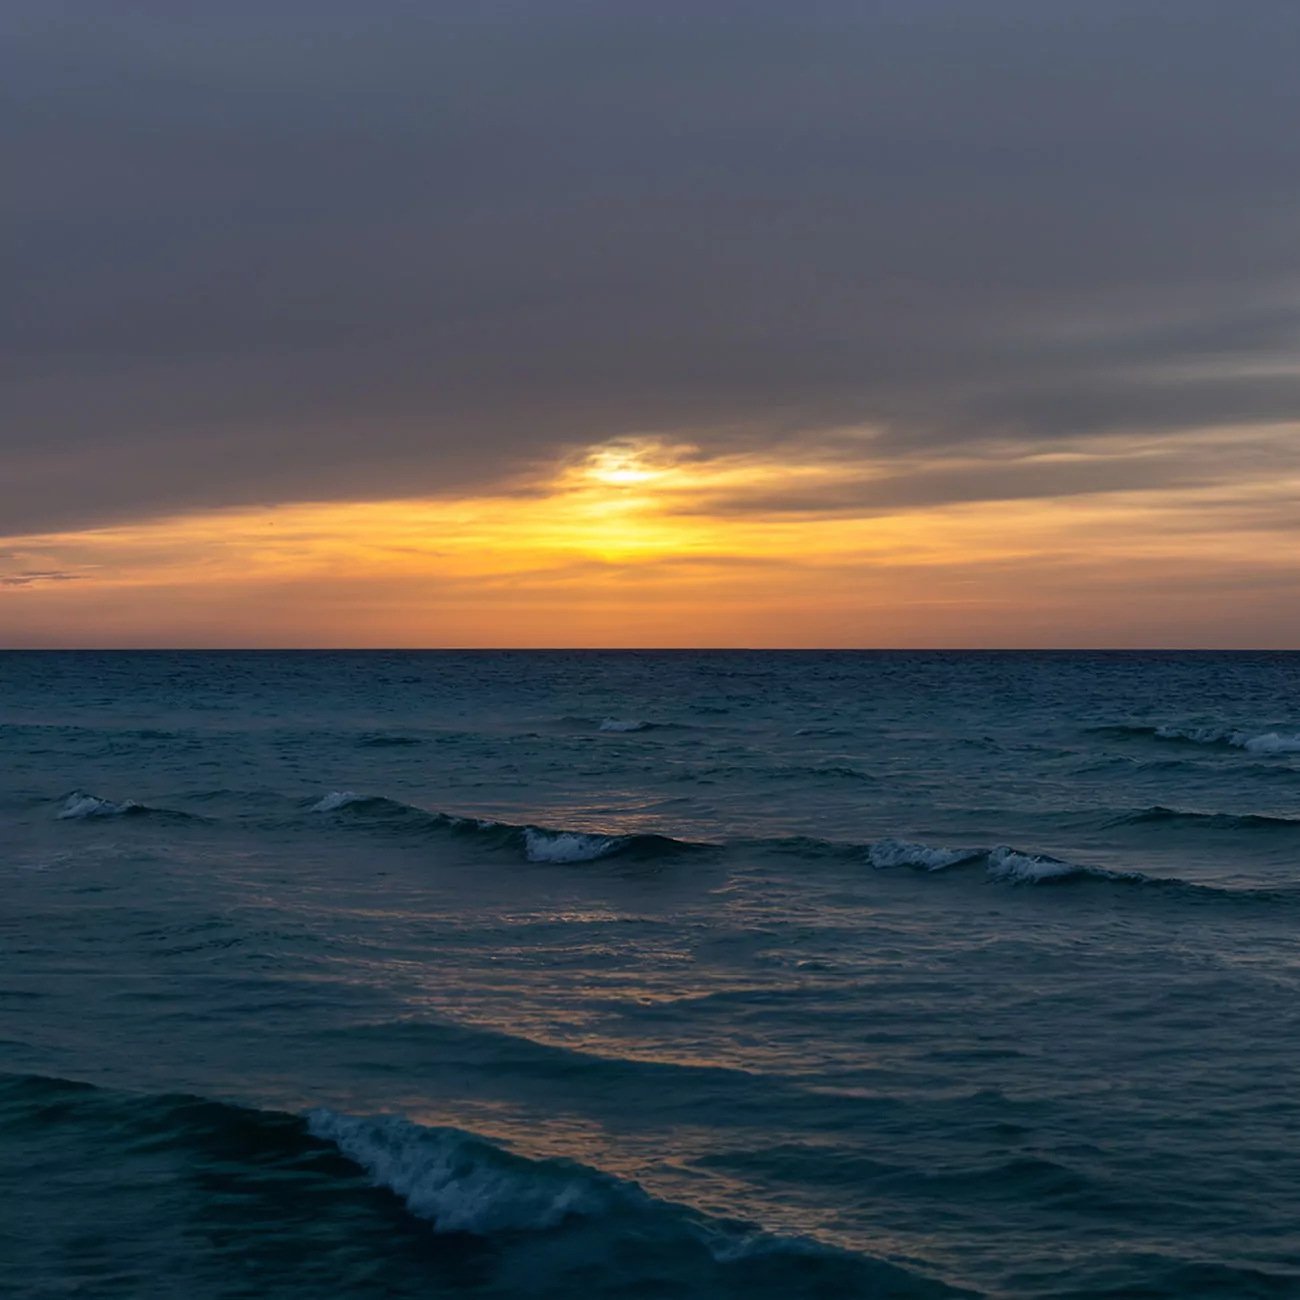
{"points": [[622, 465]]}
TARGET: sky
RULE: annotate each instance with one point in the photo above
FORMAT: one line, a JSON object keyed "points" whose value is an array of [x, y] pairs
{"points": [[685, 323]]}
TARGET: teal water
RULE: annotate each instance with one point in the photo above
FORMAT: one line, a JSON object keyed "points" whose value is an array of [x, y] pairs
{"points": [[662, 974]]}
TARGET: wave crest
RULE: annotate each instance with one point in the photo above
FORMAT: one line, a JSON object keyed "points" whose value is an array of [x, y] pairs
{"points": [[1004, 863], [1159, 815], [79, 804], [537, 843], [607, 1236], [1270, 742], [901, 853], [462, 1183], [337, 799], [568, 846], [619, 724]]}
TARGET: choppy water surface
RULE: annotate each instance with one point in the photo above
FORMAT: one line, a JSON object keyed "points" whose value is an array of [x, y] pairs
{"points": [[643, 975]]}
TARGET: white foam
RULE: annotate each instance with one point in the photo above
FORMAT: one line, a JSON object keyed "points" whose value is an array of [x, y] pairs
{"points": [[899, 853], [567, 846], [336, 800], [1273, 743], [1030, 868], [1269, 743], [462, 1183], [80, 804], [617, 724]]}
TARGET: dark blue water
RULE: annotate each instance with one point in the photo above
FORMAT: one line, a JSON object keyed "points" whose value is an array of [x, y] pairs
{"points": [[649, 975]]}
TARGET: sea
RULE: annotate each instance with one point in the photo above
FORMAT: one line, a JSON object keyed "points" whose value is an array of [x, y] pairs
{"points": [[650, 974]]}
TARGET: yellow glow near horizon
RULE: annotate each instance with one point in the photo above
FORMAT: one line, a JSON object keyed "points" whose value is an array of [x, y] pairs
{"points": [[649, 542]]}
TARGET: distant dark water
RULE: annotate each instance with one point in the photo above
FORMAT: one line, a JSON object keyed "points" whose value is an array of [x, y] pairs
{"points": [[641, 975]]}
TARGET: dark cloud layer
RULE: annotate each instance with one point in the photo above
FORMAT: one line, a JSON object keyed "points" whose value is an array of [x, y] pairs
{"points": [[286, 250]]}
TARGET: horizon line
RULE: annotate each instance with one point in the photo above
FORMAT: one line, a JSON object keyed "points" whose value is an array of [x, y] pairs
{"points": [[632, 650]]}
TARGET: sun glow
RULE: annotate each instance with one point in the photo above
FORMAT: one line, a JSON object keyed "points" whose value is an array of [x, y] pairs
{"points": [[651, 542], [622, 465]]}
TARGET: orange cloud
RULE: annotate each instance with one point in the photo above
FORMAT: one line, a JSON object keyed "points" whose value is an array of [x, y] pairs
{"points": [[647, 542]]}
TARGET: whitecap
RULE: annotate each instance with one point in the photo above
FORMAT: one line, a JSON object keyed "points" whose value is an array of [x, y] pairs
{"points": [[1006, 863], [1272, 743], [461, 1183], [337, 799], [567, 846], [618, 724], [79, 804], [900, 853]]}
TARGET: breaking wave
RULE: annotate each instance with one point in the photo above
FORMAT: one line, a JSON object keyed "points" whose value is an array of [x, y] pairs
{"points": [[1006, 863], [901, 853], [1270, 742], [536, 843], [560, 846], [280, 1176], [340, 799], [567, 846], [462, 1183], [80, 806], [1001, 863]]}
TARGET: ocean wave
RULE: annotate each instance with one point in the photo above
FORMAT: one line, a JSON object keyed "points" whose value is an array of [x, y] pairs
{"points": [[618, 726], [900, 853], [567, 846], [539, 844], [1213, 821], [337, 799], [1256, 742], [1004, 863], [1001, 862], [277, 1175], [1271, 742], [833, 772], [560, 846], [781, 772], [462, 1183], [79, 806]]}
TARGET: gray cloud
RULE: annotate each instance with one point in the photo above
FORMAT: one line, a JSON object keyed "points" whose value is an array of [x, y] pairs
{"points": [[36, 577], [292, 250]]}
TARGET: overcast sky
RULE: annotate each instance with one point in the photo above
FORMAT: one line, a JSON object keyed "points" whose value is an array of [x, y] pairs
{"points": [[299, 250]]}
